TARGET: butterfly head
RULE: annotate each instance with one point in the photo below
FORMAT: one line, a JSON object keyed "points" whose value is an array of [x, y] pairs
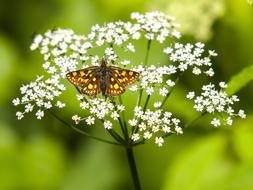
{"points": [[103, 62]]}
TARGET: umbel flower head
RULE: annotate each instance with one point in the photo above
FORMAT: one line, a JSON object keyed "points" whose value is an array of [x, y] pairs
{"points": [[66, 52]]}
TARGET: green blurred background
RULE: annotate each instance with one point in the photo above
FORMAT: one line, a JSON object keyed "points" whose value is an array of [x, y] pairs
{"points": [[44, 155]]}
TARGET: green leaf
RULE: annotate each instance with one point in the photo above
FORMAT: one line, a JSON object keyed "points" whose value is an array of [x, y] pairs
{"points": [[240, 80]]}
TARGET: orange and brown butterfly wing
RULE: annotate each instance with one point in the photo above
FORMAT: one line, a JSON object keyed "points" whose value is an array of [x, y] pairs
{"points": [[88, 79], [93, 86], [124, 77], [114, 87], [118, 79]]}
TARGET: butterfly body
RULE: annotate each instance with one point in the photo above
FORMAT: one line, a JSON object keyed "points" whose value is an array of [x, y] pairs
{"points": [[109, 80]]}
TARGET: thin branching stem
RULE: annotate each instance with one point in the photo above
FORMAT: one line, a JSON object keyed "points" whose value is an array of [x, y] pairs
{"points": [[195, 119], [123, 115], [81, 131], [144, 64], [172, 89]]}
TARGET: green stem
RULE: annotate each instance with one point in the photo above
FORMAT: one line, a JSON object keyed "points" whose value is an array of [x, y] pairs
{"points": [[169, 93], [81, 131], [195, 119], [144, 64], [146, 103], [133, 169], [123, 115]]}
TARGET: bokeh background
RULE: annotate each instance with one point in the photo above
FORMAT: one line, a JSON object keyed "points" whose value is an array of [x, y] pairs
{"points": [[45, 155]]}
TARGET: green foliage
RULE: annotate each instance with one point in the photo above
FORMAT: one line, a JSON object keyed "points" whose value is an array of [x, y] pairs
{"points": [[219, 161], [240, 80], [37, 163]]}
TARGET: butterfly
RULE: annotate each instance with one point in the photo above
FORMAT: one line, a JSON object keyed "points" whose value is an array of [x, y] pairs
{"points": [[109, 80]]}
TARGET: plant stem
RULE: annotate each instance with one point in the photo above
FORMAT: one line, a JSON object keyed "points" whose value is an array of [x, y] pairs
{"points": [[133, 169], [81, 131], [144, 64], [195, 119], [169, 93]]}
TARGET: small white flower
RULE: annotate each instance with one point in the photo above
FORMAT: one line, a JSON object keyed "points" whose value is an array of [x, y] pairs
{"points": [[190, 95], [114, 115], [28, 108], [223, 85], [215, 122], [121, 108], [212, 53], [84, 105], [150, 90], [229, 121], [19, 115], [241, 114], [59, 104], [39, 114], [125, 62], [16, 101], [133, 122], [135, 137], [159, 141], [147, 135], [130, 47], [133, 88], [170, 83], [107, 125], [157, 104], [142, 126], [166, 129], [76, 119], [90, 120], [178, 130], [163, 91]]}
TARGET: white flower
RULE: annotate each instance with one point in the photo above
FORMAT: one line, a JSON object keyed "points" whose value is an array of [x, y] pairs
{"points": [[59, 104], [84, 105], [150, 90], [159, 141], [90, 120], [190, 95], [132, 122], [115, 115], [39, 114], [28, 108], [16, 101], [135, 137], [130, 47], [215, 122], [164, 91], [121, 108], [125, 62], [133, 88], [107, 125], [19, 115], [241, 114], [170, 83], [229, 121], [157, 104], [147, 135], [76, 119], [223, 85]]}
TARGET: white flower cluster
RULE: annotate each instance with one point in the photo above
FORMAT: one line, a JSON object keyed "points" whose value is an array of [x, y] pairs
{"points": [[101, 109], [155, 25], [64, 51], [191, 56], [152, 78], [153, 123], [39, 94], [214, 101]]}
